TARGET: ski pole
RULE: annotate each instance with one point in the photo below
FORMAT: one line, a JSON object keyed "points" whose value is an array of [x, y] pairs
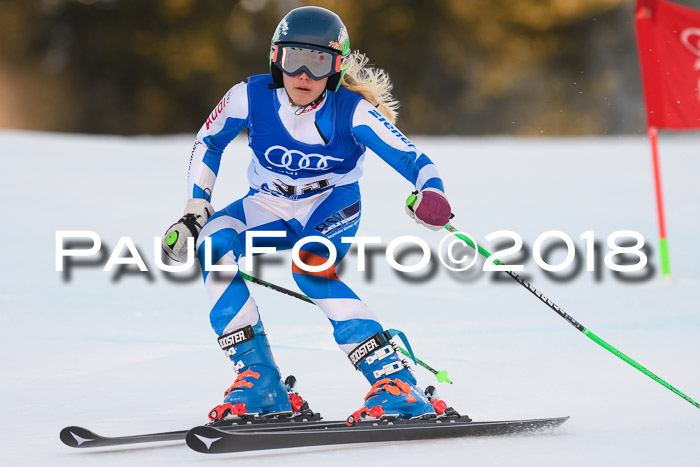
{"points": [[441, 375], [411, 200]]}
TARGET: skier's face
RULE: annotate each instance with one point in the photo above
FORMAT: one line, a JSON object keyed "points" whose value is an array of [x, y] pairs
{"points": [[302, 88]]}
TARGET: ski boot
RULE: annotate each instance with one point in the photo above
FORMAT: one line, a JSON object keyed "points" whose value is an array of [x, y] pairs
{"points": [[394, 394], [258, 390]]}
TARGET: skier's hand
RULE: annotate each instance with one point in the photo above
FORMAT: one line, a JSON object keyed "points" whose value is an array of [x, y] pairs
{"points": [[197, 213], [431, 209]]}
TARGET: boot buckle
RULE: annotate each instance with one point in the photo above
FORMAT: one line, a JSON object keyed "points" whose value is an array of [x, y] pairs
{"points": [[389, 369]]}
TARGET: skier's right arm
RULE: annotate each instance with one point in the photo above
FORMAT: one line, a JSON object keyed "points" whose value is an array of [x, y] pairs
{"points": [[225, 122]]}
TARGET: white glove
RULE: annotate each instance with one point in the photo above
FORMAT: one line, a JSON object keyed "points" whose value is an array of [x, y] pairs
{"points": [[197, 213]]}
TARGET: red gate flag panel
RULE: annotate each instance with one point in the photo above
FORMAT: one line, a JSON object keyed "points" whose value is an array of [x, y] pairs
{"points": [[668, 41]]}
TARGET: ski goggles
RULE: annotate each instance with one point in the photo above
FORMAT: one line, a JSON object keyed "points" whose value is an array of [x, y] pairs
{"points": [[316, 62]]}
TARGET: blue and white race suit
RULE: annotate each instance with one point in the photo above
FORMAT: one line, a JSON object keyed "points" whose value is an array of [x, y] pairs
{"points": [[303, 181]]}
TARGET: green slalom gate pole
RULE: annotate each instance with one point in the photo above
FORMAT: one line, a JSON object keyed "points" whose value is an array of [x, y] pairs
{"points": [[441, 375], [411, 199]]}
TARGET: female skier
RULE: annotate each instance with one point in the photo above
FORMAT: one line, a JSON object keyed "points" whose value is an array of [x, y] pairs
{"points": [[309, 122]]}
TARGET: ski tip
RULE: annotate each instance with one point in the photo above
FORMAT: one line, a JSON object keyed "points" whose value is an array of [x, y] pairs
{"points": [[78, 437]]}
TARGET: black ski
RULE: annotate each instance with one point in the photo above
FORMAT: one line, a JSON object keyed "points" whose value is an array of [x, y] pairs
{"points": [[79, 437], [211, 440]]}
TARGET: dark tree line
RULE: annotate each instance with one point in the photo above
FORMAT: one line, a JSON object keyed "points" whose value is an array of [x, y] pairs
{"points": [[552, 67]]}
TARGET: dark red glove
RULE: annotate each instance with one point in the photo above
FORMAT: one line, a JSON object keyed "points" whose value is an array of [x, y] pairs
{"points": [[431, 209]]}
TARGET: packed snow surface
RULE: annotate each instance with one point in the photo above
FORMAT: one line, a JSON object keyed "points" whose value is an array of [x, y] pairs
{"points": [[128, 352]]}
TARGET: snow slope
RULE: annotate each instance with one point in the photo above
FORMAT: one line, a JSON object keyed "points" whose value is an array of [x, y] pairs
{"points": [[133, 352]]}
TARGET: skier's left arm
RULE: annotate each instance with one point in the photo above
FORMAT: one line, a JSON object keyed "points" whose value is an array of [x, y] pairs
{"points": [[372, 129]]}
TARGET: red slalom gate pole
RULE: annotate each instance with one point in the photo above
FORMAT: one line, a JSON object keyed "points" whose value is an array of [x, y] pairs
{"points": [[663, 244]]}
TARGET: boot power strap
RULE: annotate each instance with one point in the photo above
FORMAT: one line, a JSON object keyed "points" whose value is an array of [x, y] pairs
{"points": [[233, 338]]}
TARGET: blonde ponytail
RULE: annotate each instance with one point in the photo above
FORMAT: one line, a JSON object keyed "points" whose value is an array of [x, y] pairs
{"points": [[371, 83]]}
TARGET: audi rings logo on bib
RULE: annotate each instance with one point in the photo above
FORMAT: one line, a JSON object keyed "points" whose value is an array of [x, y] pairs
{"points": [[293, 160]]}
